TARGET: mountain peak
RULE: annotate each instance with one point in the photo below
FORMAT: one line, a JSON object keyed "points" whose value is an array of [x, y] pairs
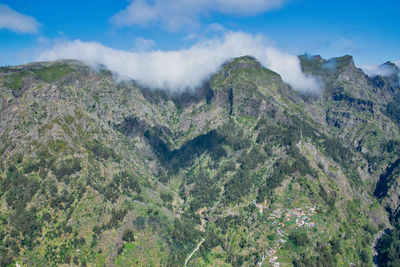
{"points": [[310, 57], [315, 64], [391, 66], [345, 61], [244, 62]]}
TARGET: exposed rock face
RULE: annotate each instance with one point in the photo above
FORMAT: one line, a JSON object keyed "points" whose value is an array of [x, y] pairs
{"points": [[244, 98], [387, 87], [358, 104], [347, 71], [363, 101], [342, 119]]}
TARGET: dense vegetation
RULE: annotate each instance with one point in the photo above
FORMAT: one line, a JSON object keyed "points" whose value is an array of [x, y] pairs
{"points": [[99, 172], [389, 247]]}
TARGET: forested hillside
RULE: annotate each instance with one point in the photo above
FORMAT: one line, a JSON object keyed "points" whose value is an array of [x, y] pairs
{"points": [[243, 171]]}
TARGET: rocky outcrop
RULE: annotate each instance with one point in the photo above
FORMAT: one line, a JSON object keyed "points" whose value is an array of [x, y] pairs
{"points": [[387, 84], [360, 105], [234, 89], [341, 119]]}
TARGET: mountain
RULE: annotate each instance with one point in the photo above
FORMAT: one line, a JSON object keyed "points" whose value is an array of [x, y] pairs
{"points": [[243, 171]]}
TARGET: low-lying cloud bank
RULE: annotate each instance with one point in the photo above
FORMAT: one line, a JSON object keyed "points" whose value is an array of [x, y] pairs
{"points": [[187, 68], [381, 70]]}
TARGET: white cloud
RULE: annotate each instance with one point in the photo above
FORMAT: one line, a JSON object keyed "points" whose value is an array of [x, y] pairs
{"points": [[174, 14], [212, 30], [187, 68], [382, 70], [246, 8], [17, 22], [142, 44]]}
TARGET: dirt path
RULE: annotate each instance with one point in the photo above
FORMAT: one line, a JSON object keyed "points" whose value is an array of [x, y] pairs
{"points": [[194, 251]]}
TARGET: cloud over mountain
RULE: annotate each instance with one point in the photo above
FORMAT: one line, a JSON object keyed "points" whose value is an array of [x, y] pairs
{"points": [[186, 68], [174, 14], [17, 22], [382, 70]]}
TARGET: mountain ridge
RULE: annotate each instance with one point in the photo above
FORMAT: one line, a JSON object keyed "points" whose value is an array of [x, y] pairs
{"points": [[101, 172]]}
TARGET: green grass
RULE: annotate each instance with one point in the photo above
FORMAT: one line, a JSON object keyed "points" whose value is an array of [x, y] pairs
{"points": [[14, 81], [47, 74], [53, 73], [57, 146], [129, 248]]}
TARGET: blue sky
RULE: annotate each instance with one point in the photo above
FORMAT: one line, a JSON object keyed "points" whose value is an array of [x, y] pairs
{"points": [[369, 29]]}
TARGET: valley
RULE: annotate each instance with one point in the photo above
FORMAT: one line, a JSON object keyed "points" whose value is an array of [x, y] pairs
{"points": [[244, 171]]}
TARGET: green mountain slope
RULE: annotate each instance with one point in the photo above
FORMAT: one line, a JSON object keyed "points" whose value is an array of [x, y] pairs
{"points": [[96, 171]]}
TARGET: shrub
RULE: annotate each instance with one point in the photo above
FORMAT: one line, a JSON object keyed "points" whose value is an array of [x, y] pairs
{"points": [[128, 235], [67, 167], [299, 238], [166, 197]]}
